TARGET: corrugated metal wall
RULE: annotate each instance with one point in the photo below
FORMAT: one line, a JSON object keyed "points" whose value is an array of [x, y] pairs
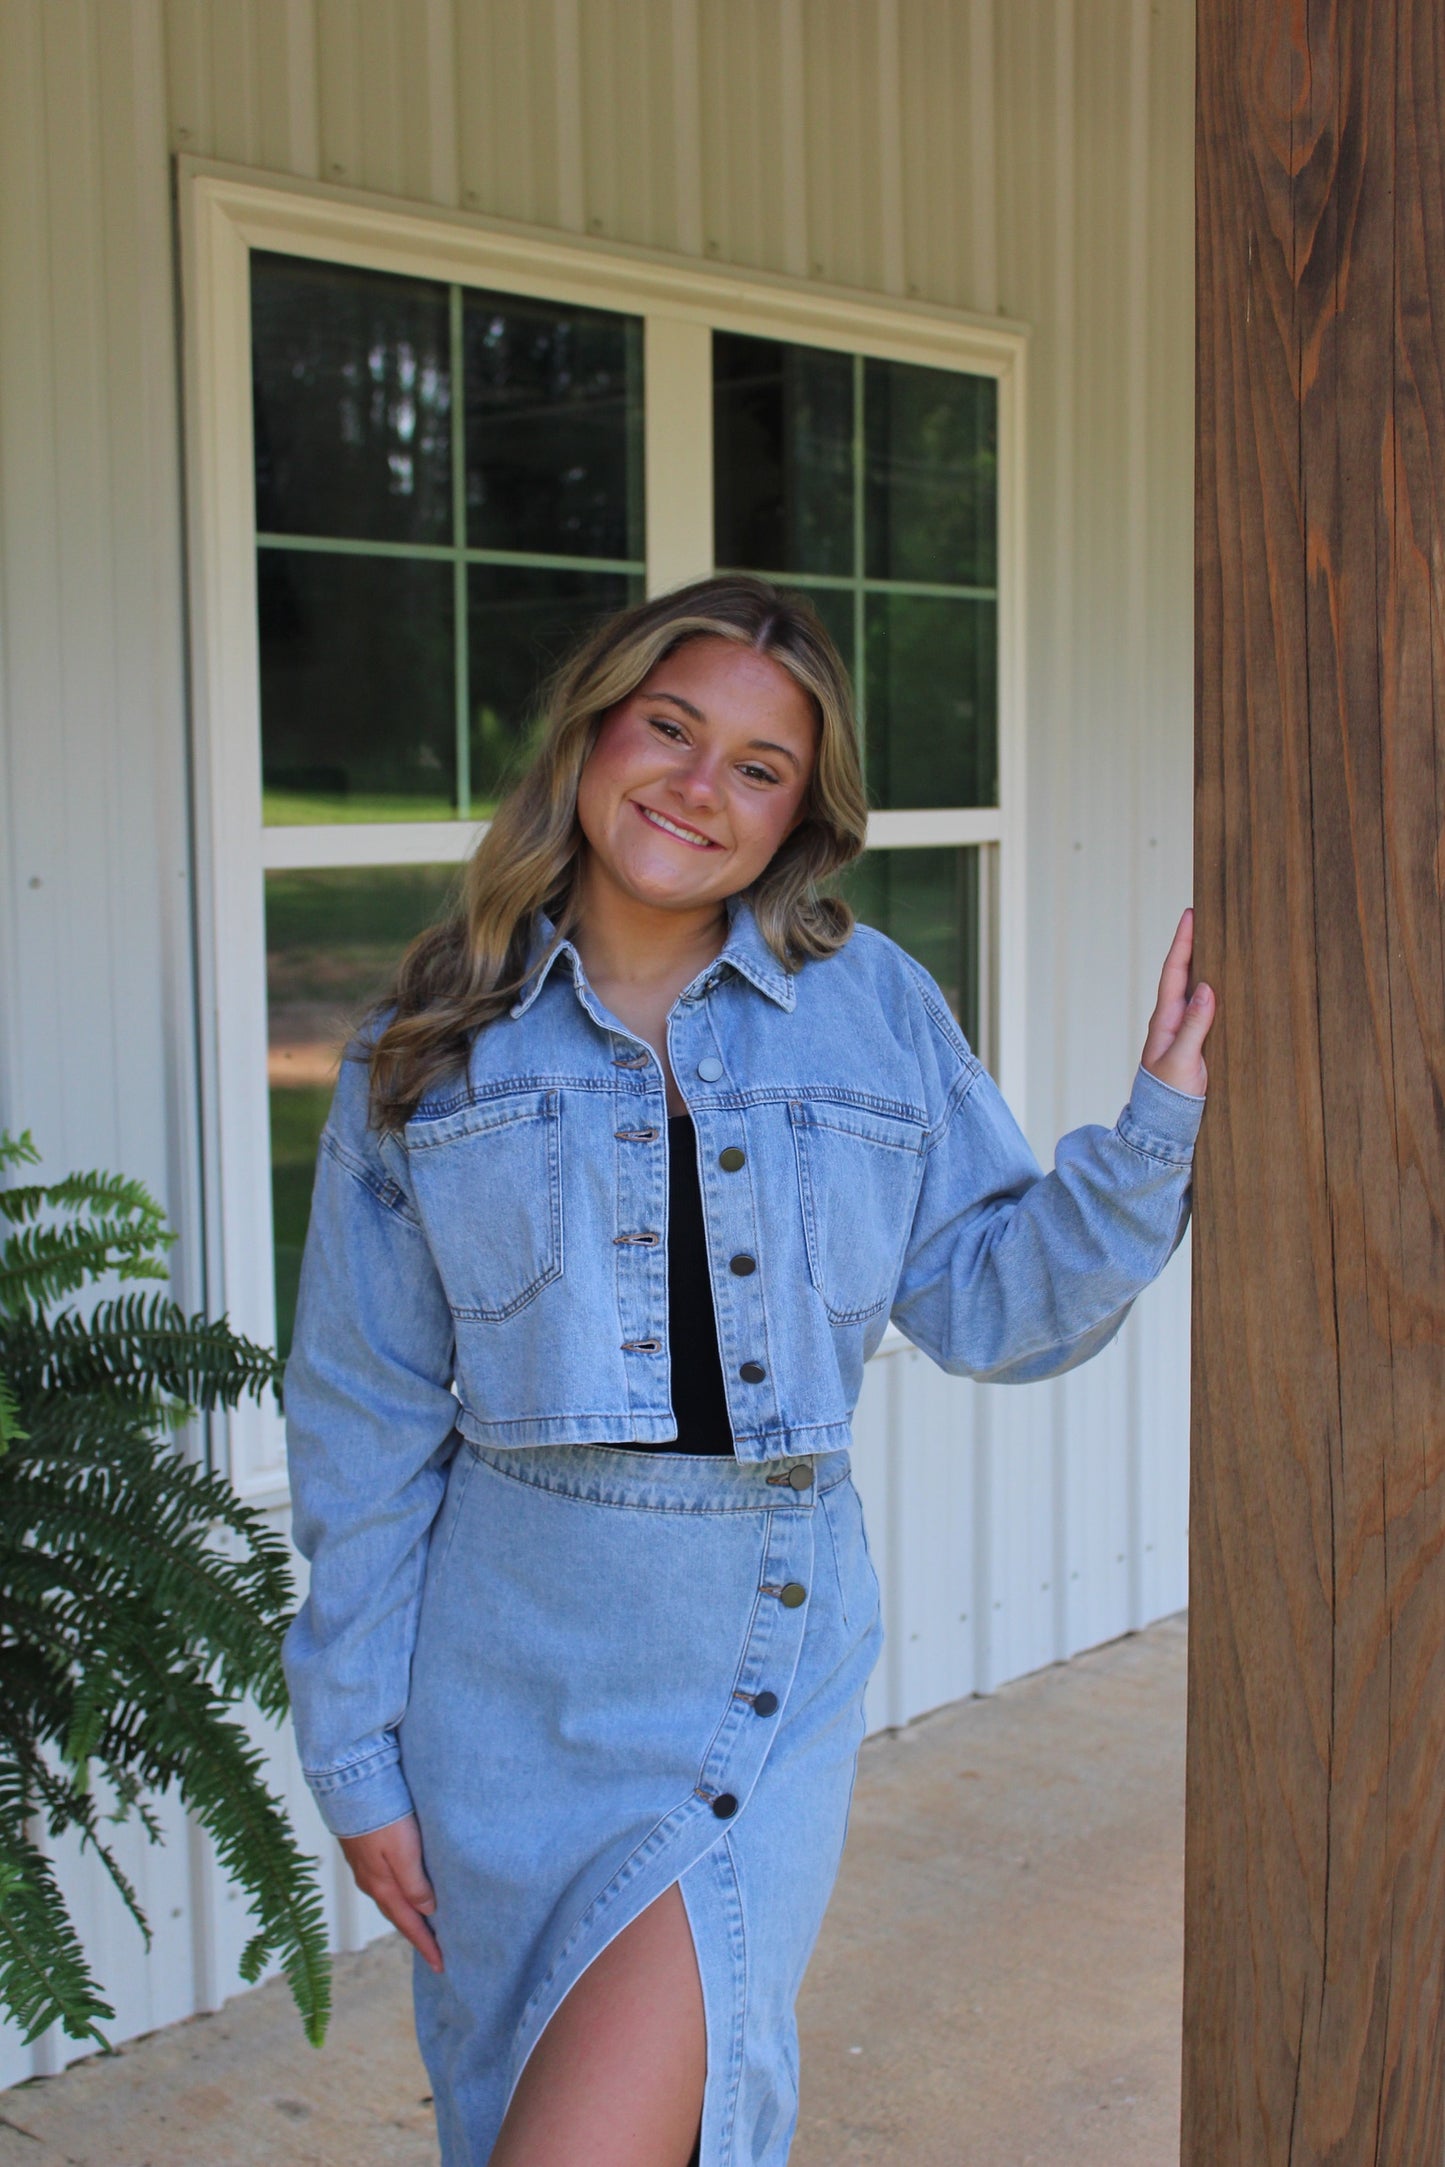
{"points": [[1028, 156]]}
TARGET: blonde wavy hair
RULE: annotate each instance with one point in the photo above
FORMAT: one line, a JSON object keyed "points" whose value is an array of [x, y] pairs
{"points": [[468, 968]]}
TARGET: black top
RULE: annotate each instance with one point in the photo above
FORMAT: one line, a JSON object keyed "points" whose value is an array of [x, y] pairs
{"points": [[699, 1399]]}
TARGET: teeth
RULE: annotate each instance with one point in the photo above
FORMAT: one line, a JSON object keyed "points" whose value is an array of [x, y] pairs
{"points": [[684, 835]]}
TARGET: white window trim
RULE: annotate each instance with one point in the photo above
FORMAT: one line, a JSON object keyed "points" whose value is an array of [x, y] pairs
{"points": [[226, 212]]}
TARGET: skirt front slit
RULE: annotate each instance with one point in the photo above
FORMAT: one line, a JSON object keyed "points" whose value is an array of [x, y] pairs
{"points": [[633, 1669]]}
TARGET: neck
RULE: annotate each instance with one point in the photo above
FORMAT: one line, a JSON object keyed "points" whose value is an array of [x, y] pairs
{"points": [[624, 941]]}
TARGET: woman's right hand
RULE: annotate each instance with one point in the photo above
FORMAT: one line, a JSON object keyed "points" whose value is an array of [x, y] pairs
{"points": [[386, 1866]]}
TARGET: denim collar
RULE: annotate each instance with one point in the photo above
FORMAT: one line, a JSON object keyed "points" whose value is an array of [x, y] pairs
{"points": [[745, 951]]}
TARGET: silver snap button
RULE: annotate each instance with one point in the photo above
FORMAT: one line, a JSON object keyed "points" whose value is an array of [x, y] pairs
{"points": [[709, 1068]]}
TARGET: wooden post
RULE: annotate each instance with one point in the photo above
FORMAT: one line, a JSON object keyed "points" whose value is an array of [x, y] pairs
{"points": [[1315, 1881]]}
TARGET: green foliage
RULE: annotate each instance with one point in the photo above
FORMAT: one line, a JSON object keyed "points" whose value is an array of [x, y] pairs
{"points": [[140, 1601]]}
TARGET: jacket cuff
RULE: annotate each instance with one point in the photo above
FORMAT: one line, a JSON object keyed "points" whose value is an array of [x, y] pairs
{"points": [[1160, 1120], [369, 1794]]}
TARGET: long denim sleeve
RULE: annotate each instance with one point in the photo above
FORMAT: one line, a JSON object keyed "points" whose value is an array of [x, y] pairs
{"points": [[1011, 1274], [369, 1416]]}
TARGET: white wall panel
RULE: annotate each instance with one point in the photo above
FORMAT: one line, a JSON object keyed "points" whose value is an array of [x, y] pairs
{"points": [[752, 139], [97, 1030], [1030, 156], [508, 114]]}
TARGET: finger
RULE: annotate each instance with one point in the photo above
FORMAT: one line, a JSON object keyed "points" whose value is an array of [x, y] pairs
{"points": [[1174, 978], [1165, 1024], [407, 1920], [419, 1934], [1198, 1017], [403, 1856]]}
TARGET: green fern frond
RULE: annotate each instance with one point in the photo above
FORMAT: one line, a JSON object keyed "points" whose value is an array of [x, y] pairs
{"points": [[40, 1264], [177, 1580], [18, 1150], [140, 1601], [165, 1505], [220, 1775], [54, 1794], [141, 1346], [168, 1724], [44, 1978], [130, 1799], [10, 1431]]}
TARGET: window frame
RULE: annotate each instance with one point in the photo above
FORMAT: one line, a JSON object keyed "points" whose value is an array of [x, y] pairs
{"points": [[224, 215]]}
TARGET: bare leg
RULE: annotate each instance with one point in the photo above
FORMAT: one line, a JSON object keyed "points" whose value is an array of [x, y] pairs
{"points": [[616, 2079]]}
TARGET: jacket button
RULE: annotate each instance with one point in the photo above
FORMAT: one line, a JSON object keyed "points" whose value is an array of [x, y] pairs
{"points": [[742, 1264], [765, 1704], [752, 1373], [709, 1068], [732, 1159], [725, 1805], [793, 1596]]}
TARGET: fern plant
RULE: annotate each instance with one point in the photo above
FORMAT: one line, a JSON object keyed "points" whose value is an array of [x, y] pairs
{"points": [[140, 1601]]}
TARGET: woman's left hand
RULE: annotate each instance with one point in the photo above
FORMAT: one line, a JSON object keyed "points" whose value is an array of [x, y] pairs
{"points": [[1174, 1047]]}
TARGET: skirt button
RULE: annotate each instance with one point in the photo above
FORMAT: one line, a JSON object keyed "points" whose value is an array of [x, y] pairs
{"points": [[765, 1704], [801, 1478], [792, 1595], [725, 1806]]}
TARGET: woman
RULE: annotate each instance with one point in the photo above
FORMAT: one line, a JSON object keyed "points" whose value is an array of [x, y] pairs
{"points": [[616, 1196]]}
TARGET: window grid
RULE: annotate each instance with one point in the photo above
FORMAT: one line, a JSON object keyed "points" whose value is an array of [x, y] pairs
{"points": [[857, 583], [458, 553]]}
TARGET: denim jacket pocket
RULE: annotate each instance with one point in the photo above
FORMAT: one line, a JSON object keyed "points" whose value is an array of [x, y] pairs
{"points": [[858, 1176], [488, 1184]]}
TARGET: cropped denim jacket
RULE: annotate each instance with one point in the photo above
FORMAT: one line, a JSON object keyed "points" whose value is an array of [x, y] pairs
{"points": [[498, 1271]]}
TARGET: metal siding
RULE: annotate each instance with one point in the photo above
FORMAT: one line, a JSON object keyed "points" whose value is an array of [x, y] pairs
{"points": [[638, 136], [752, 132], [507, 110], [842, 141], [97, 1031], [1029, 155]]}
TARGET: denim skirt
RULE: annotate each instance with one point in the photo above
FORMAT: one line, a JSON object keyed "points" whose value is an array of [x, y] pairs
{"points": [[633, 1669]]}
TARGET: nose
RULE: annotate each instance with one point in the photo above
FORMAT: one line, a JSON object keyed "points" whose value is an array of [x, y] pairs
{"points": [[699, 781]]}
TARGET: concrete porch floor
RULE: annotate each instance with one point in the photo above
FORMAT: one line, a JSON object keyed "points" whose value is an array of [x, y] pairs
{"points": [[997, 1985]]}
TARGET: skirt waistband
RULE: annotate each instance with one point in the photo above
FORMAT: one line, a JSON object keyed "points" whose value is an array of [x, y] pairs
{"points": [[666, 1482]]}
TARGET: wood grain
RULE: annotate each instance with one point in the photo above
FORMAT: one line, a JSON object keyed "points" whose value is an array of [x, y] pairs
{"points": [[1315, 1875]]}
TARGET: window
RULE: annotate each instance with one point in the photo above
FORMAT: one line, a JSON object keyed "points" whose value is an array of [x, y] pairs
{"points": [[448, 489], [460, 448], [872, 485]]}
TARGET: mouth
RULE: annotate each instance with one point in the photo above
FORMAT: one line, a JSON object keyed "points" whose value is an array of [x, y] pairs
{"points": [[677, 828]]}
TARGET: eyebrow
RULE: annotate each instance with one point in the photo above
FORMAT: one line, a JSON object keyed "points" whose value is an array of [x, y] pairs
{"points": [[755, 744]]}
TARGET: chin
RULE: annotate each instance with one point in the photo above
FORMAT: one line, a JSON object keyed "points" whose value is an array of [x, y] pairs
{"points": [[669, 881], [672, 894]]}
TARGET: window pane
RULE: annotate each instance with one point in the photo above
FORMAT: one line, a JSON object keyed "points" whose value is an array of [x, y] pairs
{"points": [[553, 428], [782, 456], [932, 722], [927, 901], [836, 608], [522, 624], [352, 402], [931, 508], [358, 717], [332, 939]]}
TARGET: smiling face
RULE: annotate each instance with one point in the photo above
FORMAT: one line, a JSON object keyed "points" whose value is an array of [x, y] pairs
{"points": [[696, 778]]}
